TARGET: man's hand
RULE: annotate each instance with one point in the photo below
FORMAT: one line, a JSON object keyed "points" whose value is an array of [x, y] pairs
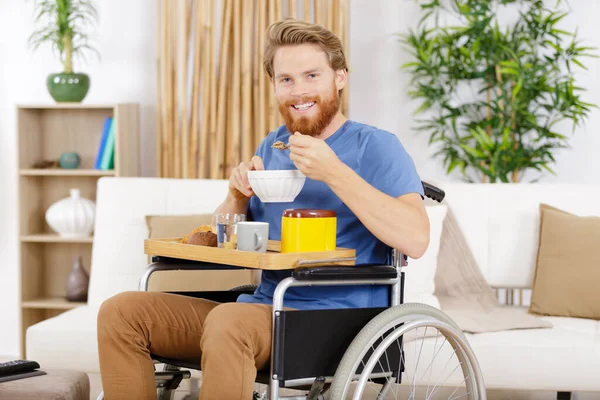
{"points": [[239, 187], [313, 157]]}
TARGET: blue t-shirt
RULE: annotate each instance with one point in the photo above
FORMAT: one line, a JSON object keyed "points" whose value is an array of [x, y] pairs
{"points": [[381, 160]]}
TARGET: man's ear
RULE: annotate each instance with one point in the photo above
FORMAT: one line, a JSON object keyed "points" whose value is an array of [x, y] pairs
{"points": [[341, 78]]}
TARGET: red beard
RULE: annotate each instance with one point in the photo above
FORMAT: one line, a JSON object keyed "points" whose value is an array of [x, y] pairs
{"points": [[312, 126]]}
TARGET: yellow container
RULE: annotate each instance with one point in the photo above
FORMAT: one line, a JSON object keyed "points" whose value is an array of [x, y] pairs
{"points": [[304, 230]]}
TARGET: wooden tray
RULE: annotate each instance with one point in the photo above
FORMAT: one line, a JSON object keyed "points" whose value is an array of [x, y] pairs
{"points": [[271, 260]]}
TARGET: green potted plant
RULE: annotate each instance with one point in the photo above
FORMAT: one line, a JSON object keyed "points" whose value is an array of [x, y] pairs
{"points": [[494, 93], [62, 23]]}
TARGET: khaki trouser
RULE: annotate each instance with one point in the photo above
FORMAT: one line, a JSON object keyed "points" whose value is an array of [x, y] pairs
{"points": [[232, 339]]}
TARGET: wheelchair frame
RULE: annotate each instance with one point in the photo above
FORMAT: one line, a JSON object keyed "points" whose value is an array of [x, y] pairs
{"points": [[303, 276]]}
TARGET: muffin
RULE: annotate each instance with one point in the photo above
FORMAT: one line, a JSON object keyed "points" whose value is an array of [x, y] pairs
{"points": [[203, 239], [203, 236]]}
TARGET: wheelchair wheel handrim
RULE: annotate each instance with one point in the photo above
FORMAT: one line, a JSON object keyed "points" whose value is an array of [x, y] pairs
{"points": [[428, 372], [433, 388]]}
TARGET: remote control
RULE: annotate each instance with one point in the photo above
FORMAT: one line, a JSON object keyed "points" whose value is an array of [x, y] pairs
{"points": [[17, 366]]}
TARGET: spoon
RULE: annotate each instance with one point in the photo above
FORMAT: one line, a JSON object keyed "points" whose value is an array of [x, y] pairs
{"points": [[280, 145]]}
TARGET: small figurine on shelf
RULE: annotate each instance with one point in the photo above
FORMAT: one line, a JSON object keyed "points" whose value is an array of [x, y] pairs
{"points": [[69, 160], [77, 284], [46, 164]]}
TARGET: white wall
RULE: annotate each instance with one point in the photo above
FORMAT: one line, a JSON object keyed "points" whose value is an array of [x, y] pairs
{"points": [[126, 40]]}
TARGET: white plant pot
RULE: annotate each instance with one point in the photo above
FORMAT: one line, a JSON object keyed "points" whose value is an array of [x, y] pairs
{"points": [[73, 216]]}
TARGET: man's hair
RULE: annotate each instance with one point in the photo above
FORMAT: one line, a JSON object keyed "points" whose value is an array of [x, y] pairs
{"points": [[289, 32]]}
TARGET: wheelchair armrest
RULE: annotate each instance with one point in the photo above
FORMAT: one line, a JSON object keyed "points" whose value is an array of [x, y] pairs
{"points": [[337, 272], [433, 192]]}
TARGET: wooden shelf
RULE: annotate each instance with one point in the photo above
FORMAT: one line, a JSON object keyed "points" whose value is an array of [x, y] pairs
{"points": [[44, 132], [54, 238], [65, 172], [53, 303]]}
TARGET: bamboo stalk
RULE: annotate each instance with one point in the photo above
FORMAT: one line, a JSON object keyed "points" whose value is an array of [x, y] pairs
{"points": [[233, 147], [318, 12], [159, 91], [306, 10], [346, 43], [271, 115], [213, 162], [213, 96], [262, 96], [217, 162], [246, 71], [332, 16], [183, 159], [208, 99], [278, 10], [177, 49], [330, 9], [169, 96], [293, 8], [229, 122], [257, 73], [274, 108], [341, 13], [192, 164]]}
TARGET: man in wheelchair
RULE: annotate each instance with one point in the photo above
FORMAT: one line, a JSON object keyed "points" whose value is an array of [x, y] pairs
{"points": [[359, 171]]}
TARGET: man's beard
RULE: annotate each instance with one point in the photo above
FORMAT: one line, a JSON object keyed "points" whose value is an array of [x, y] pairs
{"points": [[312, 126]]}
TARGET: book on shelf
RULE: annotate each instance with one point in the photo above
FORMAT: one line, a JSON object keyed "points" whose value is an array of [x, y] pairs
{"points": [[106, 148]]}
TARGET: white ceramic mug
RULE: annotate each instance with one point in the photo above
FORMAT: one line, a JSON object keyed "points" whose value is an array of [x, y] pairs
{"points": [[252, 236]]}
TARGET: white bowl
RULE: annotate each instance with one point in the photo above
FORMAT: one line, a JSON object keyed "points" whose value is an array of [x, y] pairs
{"points": [[276, 186]]}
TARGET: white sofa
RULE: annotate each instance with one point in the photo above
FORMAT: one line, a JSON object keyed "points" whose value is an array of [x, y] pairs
{"points": [[500, 223]]}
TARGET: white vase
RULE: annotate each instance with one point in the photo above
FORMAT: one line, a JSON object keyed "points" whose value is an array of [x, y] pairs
{"points": [[72, 216]]}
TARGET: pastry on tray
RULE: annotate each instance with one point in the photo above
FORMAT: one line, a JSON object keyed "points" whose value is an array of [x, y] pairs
{"points": [[203, 236]]}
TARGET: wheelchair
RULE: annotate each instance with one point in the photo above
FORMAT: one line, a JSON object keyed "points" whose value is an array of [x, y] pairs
{"points": [[346, 353]]}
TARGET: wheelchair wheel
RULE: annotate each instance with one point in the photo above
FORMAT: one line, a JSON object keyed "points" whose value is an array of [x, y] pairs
{"points": [[416, 334]]}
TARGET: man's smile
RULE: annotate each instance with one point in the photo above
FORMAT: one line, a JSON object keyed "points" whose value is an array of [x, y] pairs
{"points": [[303, 106]]}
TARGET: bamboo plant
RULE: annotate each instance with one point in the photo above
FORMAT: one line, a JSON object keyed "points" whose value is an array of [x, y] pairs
{"points": [[494, 94]]}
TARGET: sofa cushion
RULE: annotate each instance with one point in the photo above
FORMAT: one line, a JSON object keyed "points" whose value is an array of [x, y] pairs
{"points": [[66, 341], [458, 277], [562, 358], [170, 226], [568, 265], [419, 284], [464, 294]]}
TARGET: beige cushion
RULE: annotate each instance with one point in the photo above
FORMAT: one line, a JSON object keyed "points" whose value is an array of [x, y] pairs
{"points": [[568, 265], [166, 226], [458, 275], [169, 226], [464, 293]]}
